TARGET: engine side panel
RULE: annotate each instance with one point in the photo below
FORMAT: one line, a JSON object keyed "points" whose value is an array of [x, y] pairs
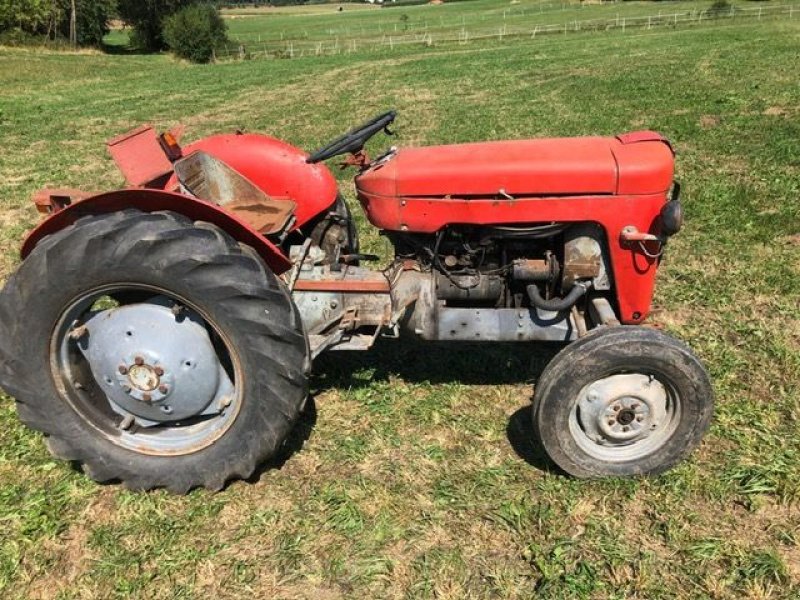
{"points": [[633, 271]]}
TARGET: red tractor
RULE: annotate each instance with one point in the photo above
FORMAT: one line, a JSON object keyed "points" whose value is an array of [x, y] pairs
{"points": [[162, 335]]}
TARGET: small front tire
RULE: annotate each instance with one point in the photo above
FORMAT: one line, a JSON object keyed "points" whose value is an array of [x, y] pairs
{"points": [[622, 401]]}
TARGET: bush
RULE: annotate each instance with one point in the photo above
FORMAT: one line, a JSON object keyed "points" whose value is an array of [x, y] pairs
{"points": [[147, 18], [719, 8], [195, 32]]}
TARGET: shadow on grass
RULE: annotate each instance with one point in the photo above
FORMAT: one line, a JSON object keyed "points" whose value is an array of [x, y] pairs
{"points": [[294, 443], [125, 50], [417, 361], [520, 434]]}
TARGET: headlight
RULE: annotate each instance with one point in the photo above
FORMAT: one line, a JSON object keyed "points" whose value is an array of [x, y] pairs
{"points": [[672, 213]]}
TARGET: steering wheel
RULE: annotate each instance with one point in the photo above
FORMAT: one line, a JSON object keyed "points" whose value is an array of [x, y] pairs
{"points": [[354, 140]]}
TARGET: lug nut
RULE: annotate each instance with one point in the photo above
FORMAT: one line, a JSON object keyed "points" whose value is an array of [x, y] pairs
{"points": [[126, 389], [163, 388], [123, 370], [616, 408], [640, 418], [626, 428], [139, 361], [635, 405], [78, 332], [147, 398], [159, 371]]}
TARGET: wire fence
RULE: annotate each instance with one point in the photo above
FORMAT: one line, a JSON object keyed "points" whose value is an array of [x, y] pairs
{"points": [[464, 35]]}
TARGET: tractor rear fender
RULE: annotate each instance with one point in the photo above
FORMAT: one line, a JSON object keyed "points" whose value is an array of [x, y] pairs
{"points": [[149, 200]]}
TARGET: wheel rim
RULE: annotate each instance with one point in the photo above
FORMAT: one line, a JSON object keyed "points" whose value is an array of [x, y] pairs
{"points": [[146, 369], [624, 416]]}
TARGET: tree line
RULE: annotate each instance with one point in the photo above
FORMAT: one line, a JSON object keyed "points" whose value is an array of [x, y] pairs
{"points": [[83, 22], [190, 28]]}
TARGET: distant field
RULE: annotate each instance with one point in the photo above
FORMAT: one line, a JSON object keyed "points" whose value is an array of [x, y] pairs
{"points": [[416, 476], [321, 23]]}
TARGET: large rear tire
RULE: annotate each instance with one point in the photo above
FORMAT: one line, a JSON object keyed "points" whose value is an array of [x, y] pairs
{"points": [[622, 401], [153, 351]]}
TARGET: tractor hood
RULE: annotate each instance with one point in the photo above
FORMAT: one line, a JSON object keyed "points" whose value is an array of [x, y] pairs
{"points": [[632, 164]]}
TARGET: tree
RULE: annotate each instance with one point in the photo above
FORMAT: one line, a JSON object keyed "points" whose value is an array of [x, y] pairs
{"points": [[194, 32], [30, 16], [147, 19], [91, 20], [54, 18]]}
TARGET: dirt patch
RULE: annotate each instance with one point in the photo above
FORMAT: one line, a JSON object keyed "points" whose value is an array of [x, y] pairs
{"points": [[775, 111], [69, 552], [792, 240], [710, 121]]}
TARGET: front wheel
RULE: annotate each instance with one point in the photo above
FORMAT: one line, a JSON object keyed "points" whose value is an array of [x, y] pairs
{"points": [[622, 401], [153, 350]]}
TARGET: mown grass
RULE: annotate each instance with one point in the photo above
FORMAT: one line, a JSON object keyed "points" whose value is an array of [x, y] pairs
{"points": [[413, 473]]}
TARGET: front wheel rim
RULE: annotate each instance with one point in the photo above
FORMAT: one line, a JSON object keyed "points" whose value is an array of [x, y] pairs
{"points": [[624, 416], [146, 369]]}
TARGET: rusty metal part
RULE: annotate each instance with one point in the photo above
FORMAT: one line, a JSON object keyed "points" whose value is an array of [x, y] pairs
{"points": [[78, 332], [632, 237], [406, 285], [631, 234], [583, 256], [358, 159], [341, 285], [532, 269], [140, 156], [338, 305], [478, 287], [602, 312], [52, 200], [579, 320], [210, 179]]}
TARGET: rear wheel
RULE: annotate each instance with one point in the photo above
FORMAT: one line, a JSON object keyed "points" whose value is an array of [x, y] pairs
{"points": [[153, 350], [622, 401]]}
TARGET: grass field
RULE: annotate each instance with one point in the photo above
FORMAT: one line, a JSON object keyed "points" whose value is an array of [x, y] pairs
{"points": [[413, 474]]}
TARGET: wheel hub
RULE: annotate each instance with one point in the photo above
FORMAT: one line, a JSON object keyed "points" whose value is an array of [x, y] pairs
{"points": [[622, 409], [143, 377], [154, 365]]}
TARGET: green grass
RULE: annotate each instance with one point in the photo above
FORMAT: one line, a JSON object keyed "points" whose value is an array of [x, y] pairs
{"points": [[415, 475]]}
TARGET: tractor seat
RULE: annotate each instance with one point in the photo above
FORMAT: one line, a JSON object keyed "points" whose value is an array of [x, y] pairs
{"points": [[210, 179], [632, 164]]}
